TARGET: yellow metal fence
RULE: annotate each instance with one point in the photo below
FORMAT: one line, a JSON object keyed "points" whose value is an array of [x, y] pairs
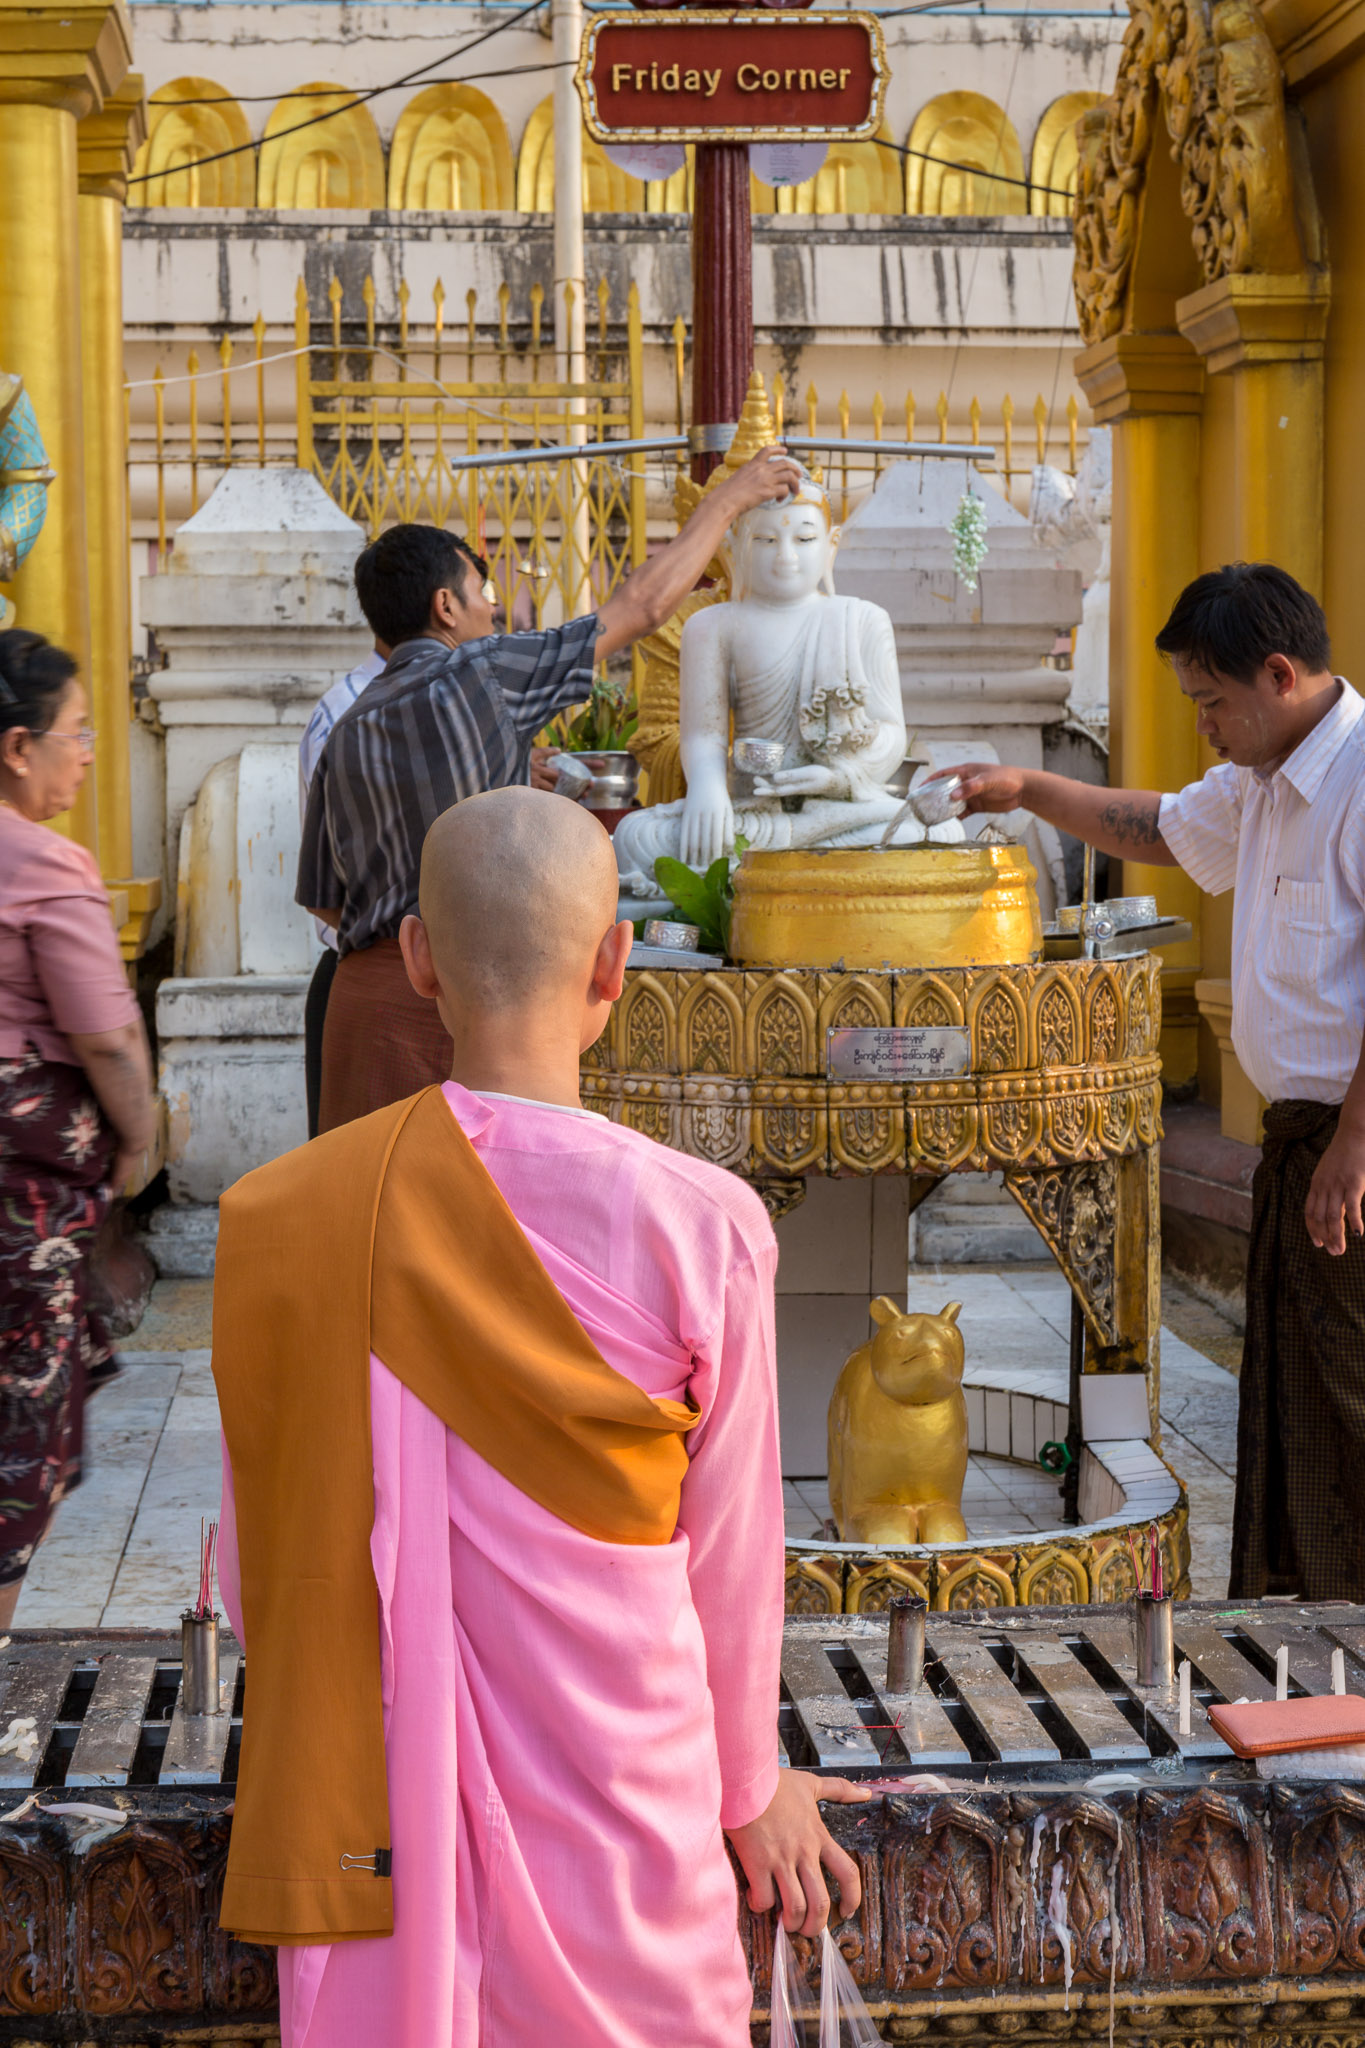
{"points": [[388, 415]]}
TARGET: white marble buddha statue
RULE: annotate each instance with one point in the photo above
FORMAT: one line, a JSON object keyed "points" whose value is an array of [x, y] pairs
{"points": [[788, 661]]}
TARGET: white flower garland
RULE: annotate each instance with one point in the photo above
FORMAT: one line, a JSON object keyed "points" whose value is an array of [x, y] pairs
{"points": [[968, 529]]}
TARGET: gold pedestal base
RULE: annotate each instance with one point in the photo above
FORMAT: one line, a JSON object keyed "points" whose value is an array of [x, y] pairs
{"points": [[901, 906]]}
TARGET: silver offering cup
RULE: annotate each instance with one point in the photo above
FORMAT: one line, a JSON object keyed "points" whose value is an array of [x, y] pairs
{"points": [[933, 803], [199, 1657], [672, 934], [1154, 1640], [573, 777], [757, 757], [1129, 911], [905, 1644]]}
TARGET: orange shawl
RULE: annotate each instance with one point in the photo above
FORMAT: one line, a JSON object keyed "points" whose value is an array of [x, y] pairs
{"points": [[389, 1235]]}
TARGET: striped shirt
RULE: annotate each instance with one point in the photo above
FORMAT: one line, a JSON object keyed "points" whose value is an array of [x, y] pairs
{"points": [[439, 724], [1293, 844], [326, 712]]}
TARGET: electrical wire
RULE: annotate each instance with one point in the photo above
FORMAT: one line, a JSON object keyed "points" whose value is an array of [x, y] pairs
{"points": [[373, 92], [974, 170], [318, 92]]}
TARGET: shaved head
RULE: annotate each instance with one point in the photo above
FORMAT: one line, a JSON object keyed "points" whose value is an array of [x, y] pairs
{"points": [[518, 891]]}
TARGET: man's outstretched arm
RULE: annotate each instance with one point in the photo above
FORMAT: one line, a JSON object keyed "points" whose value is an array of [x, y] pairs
{"points": [[652, 593], [1126, 822]]}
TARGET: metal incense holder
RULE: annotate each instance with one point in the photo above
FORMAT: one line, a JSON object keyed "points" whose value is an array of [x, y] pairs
{"points": [[1154, 1640], [905, 1646], [199, 1658]]}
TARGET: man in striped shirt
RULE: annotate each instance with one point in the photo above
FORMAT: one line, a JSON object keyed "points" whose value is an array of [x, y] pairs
{"points": [[1282, 817], [454, 712]]}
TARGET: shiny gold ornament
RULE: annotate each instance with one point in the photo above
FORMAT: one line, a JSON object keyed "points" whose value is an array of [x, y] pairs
{"points": [[1214, 75], [898, 1432], [899, 906]]}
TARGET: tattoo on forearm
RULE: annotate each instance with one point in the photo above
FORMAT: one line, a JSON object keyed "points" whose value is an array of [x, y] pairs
{"points": [[1133, 824]]}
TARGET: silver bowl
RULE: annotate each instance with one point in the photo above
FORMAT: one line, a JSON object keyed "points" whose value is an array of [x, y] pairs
{"points": [[1127, 912], [671, 934], [615, 780], [933, 803], [757, 757]]}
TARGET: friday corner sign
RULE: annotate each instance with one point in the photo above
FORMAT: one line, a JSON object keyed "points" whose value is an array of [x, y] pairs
{"points": [[704, 76]]}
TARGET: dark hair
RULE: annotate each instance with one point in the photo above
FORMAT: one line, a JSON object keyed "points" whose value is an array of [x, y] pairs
{"points": [[33, 678], [1231, 621], [398, 576]]}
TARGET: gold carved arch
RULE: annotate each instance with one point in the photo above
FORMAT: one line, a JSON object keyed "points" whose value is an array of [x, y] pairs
{"points": [[188, 120], [1212, 78], [334, 162], [1055, 161], [450, 154], [606, 189], [965, 147]]}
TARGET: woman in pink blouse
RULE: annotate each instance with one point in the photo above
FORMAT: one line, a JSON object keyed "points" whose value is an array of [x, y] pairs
{"points": [[75, 1089]]}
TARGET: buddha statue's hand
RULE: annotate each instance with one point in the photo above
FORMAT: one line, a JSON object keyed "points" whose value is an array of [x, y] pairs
{"points": [[708, 828], [811, 779]]}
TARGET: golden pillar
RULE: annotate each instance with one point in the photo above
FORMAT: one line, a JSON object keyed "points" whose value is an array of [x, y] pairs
{"points": [[58, 63], [1149, 387], [1267, 335], [1262, 338], [106, 143]]}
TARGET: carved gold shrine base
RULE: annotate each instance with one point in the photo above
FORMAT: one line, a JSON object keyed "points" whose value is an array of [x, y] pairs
{"points": [[1062, 1095]]}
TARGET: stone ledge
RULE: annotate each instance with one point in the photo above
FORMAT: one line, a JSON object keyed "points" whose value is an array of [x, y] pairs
{"points": [[1204, 1174]]}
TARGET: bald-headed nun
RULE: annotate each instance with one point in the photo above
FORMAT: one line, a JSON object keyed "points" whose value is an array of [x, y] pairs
{"points": [[577, 1537]]}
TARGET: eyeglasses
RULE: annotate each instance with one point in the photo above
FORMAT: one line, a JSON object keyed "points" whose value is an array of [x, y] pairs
{"points": [[85, 738]]}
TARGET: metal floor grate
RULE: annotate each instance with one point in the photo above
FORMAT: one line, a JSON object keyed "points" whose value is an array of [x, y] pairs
{"points": [[1031, 1691], [1007, 1694]]}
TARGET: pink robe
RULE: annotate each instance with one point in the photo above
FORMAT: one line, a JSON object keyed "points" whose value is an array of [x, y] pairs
{"points": [[569, 1723]]}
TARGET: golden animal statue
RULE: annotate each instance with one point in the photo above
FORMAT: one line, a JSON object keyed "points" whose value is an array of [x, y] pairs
{"points": [[898, 1432]]}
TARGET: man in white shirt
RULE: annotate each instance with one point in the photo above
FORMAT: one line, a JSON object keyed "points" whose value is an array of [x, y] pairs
{"points": [[326, 712], [1283, 818]]}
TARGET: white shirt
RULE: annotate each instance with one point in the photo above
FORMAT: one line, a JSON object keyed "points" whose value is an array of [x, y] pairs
{"points": [[1293, 843], [326, 712]]}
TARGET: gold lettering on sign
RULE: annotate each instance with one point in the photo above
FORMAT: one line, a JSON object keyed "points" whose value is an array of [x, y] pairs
{"points": [[749, 78]]}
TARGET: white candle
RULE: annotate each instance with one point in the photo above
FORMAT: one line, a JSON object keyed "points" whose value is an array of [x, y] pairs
{"points": [[1282, 1673], [1186, 1727], [1338, 1671]]}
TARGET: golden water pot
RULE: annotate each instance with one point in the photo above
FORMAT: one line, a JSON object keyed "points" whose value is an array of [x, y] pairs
{"points": [[895, 906]]}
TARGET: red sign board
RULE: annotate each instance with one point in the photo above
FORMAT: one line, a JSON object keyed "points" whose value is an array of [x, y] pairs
{"points": [[779, 76]]}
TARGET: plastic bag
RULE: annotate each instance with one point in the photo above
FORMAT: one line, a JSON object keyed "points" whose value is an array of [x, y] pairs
{"points": [[844, 2020]]}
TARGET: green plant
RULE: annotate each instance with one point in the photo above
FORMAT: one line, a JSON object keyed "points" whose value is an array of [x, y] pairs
{"points": [[606, 722], [706, 901]]}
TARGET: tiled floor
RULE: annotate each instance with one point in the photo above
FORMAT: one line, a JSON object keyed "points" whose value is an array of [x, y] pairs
{"points": [[999, 1499], [123, 1550]]}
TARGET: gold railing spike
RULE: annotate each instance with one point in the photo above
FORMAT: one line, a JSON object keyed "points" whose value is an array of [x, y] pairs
{"points": [[404, 294], [1007, 418], [1040, 425], [909, 415], [367, 294], [1073, 413], [779, 402], [812, 408], [974, 416], [941, 409], [334, 296], [679, 371]]}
